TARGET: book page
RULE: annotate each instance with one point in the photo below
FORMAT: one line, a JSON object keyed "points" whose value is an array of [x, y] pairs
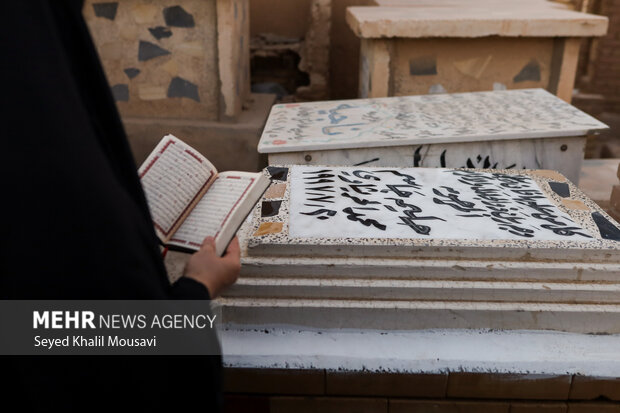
{"points": [[173, 177], [215, 208]]}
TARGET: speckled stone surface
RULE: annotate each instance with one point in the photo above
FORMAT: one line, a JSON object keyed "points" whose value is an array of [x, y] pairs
{"points": [[185, 59], [147, 45], [396, 121], [270, 235]]}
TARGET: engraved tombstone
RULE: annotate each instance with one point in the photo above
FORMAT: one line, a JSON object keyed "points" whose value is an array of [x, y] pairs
{"points": [[514, 129], [409, 248]]}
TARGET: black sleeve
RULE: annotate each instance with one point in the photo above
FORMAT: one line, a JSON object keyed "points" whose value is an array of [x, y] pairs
{"points": [[75, 220], [186, 288], [77, 226]]}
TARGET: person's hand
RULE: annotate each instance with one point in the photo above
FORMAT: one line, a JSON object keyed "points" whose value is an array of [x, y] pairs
{"points": [[216, 273]]}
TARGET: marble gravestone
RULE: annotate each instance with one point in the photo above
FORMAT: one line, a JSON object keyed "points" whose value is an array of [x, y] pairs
{"points": [[516, 129], [366, 211], [418, 248], [425, 204]]}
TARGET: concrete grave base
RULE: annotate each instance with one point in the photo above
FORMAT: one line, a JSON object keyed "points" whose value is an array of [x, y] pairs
{"points": [[448, 47], [419, 315], [230, 146], [272, 369], [320, 283]]}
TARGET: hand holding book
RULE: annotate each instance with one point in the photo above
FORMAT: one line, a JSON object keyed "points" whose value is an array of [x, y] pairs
{"points": [[216, 273], [189, 200]]}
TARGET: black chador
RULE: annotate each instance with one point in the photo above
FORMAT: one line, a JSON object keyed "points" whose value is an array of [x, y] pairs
{"points": [[75, 224]]}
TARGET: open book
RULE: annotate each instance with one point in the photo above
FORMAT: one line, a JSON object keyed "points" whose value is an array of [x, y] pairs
{"points": [[189, 200]]}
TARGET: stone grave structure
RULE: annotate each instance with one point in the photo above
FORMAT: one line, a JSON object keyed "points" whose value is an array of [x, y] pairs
{"points": [[449, 46], [425, 248], [512, 129], [614, 200], [181, 67], [597, 180]]}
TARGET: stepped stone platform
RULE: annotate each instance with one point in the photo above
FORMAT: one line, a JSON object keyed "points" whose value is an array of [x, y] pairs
{"points": [[333, 332], [452, 269]]}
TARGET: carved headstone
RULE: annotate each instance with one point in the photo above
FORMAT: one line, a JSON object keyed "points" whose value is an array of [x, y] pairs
{"points": [[512, 129], [456, 213]]}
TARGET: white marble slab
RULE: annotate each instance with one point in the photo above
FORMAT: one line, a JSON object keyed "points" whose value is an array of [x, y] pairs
{"points": [[422, 351], [430, 213], [423, 119], [421, 282], [423, 203]]}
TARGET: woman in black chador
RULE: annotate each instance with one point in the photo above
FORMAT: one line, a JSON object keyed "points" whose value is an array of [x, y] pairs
{"points": [[75, 223]]}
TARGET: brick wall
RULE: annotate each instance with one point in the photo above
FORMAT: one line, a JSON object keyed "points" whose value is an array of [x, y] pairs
{"points": [[605, 70], [288, 390], [599, 70]]}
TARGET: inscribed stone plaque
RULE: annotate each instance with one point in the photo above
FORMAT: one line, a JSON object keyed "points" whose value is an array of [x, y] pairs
{"points": [[432, 212], [424, 119], [423, 203]]}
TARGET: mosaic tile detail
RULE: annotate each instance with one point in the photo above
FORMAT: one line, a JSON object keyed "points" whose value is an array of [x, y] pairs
{"points": [[607, 229], [160, 32], [575, 204], [277, 173], [560, 188], [270, 208], [547, 173], [148, 51], [531, 71], [181, 88], [275, 191], [268, 228], [132, 72], [176, 16], [106, 10], [120, 92]]}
